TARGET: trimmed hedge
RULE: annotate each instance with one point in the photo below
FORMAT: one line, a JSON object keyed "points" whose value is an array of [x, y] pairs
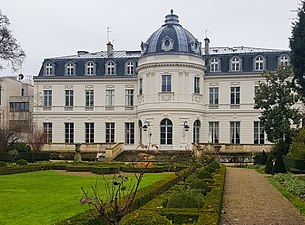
{"points": [[79, 168], [19, 169], [28, 156], [144, 218], [158, 169], [294, 164], [105, 170]]}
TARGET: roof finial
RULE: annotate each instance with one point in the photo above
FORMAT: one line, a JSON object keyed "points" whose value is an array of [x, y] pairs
{"points": [[172, 11]]}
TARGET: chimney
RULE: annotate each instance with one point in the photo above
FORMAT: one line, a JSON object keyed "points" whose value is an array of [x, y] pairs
{"points": [[79, 53], [206, 46], [109, 48]]}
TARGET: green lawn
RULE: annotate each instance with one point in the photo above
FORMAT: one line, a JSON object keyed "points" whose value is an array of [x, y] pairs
{"points": [[47, 197]]}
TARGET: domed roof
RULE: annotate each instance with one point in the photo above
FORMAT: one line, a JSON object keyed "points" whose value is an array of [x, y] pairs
{"points": [[171, 38]]}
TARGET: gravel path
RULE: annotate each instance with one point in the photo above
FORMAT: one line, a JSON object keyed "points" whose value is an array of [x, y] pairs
{"points": [[249, 199]]}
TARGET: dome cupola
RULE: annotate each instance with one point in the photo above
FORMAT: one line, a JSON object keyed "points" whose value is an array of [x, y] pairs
{"points": [[171, 38]]}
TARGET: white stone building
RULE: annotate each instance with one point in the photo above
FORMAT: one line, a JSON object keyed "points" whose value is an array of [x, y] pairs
{"points": [[106, 98]]}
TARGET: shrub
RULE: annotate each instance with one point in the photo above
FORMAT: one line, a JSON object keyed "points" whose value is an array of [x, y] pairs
{"points": [[3, 164], [200, 184], [141, 217], [214, 164], [263, 158], [297, 148], [279, 165], [21, 162], [185, 199], [20, 147], [202, 174], [269, 165]]}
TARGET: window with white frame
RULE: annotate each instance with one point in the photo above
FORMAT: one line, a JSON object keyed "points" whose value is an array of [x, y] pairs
{"points": [[47, 98], [284, 60], [213, 97], [70, 69], [234, 132], [235, 64], [213, 132], [130, 68], [196, 132], [89, 98], [69, 133], [235, 97], [259, 133], [110, 130], [259, 63], [90, 68], [129, 133], [140, 131], [69, 96], [129, 98], [89, 132], [110, 68], [49, 69], [166, 132], [214, 65], [197, 85], [109, 98], [47, 130], [140, 86], [166, 83]]}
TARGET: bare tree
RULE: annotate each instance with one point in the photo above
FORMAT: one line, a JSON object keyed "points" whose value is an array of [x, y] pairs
{"points": [[8, 136], [36, 139], [11, 53]]}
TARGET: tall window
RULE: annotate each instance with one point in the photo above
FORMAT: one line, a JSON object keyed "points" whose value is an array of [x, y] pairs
{"points": [[89, 98], [69, 133], [140, 86], [110, 68], [196, 132], [235, 64], [213, 98], [47, 98], [130, 68], [47, 130], [235, 97], [110, 98], [90, 69], [129, 98], [166, 83], [214, 65], [70, 70], [284, 60], [235, 132], [259, 63], [214, 132], [259, 137], [197, 85], [110, 132], [140, 132], [89, 132], [129, 133], [69, 98], [49, 69], [166, 132]]}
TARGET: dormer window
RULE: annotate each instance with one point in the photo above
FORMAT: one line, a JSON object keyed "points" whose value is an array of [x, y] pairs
{"points": [[110, 68], [235, 64], [284, 60], [90, 68], [130, 68], [167, 44], [214, 65], [49, 69], [70, 69], [259, 63]]}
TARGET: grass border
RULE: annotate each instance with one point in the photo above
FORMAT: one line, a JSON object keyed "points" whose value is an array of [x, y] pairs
{"points": [[295, 200]]}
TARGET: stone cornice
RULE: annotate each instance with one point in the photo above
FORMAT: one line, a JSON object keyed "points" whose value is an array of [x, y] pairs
{"points": [[160, 64], [97, 79], [233, 76]]}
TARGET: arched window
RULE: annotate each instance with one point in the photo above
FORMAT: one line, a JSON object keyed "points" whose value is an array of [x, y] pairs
{"points": [[235, 64], [196, 132], [259, 63], [90, 68], [214, 65], [110, 68], [70, 69], [284, 60], [166, 132], [49, 69], [129, 68]]}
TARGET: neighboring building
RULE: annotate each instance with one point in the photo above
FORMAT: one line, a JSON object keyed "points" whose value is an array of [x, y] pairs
{"points": [[171, 85], [16, 103]]}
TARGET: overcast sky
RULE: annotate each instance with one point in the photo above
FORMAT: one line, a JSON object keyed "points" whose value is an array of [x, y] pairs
{"points": [[49, 28]]}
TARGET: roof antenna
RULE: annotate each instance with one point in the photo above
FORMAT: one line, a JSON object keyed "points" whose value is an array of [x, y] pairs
{"points": [[206, 33], [108, 33]]}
